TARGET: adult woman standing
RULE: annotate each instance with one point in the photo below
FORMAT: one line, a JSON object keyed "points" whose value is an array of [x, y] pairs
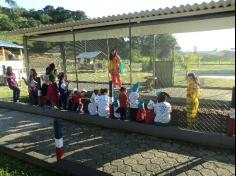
{"points": [[12, 83], [114, 68], [193, 94]]}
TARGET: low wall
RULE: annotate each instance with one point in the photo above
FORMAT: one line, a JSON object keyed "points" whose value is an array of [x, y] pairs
{"points": [[175, 133]]}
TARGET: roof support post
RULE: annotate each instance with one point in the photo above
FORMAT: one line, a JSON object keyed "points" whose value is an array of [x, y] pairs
{"points": [[21, 54], [130, 51], [63, 57], [74, 48], [3, 54], [108, 58], [26, 53]]}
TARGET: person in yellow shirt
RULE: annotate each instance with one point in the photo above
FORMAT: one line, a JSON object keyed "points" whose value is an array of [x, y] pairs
{"points": [[193, 94], [114, 69]]}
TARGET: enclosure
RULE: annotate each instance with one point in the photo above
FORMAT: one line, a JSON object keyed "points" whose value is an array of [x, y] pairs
{"points": [[138, 39]]}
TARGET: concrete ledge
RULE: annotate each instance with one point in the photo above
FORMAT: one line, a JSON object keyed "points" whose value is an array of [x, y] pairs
{"points": [[65, 167], [175, 133]]}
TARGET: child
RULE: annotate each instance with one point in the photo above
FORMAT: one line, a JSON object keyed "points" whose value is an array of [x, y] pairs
{"points": [[141, 112], [63, 89], [150, 113], [92, 107], [46, 82], [12, 83], [32, 87], [123, 98], [52, 93], [69, 103], [193, 94], [103, 104], [116, 105], [77, 100], [134, 101], [162, 110]]}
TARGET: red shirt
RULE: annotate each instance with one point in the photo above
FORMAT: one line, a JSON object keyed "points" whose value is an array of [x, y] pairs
{"points": [[77, 99], [123, 98]]}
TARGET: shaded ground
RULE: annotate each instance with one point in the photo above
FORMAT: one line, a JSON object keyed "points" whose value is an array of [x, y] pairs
{"points": [[112, 151], [13, 167]]}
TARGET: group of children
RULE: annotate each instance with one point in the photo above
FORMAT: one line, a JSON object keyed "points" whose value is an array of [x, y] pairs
{"points": [[55, 93]]}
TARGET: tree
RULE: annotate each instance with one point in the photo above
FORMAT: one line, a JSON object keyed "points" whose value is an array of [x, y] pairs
{"points": [[165, 43], [11, 3], [5, 23]]}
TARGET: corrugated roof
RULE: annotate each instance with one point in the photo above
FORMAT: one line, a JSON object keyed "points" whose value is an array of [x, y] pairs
{"points": [[88, 55], [9, 45], [181, 11]]}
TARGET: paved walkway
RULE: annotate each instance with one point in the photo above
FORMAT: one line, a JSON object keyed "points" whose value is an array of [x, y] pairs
{"points": [[112, 151]]}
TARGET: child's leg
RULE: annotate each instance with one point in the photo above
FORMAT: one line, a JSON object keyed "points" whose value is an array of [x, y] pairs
{"points": [[133, 114]]}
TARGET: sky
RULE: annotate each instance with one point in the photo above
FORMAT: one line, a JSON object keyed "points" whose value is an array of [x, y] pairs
{"points": [[223, 39]]}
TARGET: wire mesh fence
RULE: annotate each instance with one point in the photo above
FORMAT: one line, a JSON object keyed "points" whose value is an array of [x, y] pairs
{"points": [[86, 65]]}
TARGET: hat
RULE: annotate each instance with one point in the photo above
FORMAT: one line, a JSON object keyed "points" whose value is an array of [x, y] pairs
{"points": [[158, 94], [136, 87], [84, 90], [116, 103], [141, 104], [74, 90]]}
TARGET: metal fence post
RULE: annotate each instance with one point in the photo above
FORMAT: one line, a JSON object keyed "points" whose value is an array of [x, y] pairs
{"points": [[58, 140], [231, 122], [111, 95]]}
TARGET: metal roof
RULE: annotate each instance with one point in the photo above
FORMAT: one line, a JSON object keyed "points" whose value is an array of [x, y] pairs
{"points": [[9, 45], [89, 55], [185, 18]]}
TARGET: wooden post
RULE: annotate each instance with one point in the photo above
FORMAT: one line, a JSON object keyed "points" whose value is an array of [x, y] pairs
{"points": [[63, 57], [108, 58], [74, 48], [130, 52], [21, 54], [3, 54], [26, 53]]}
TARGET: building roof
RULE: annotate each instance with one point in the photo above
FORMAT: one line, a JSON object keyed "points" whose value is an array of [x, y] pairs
{"points": [[9, 45], [185, 18], [89, 55]]}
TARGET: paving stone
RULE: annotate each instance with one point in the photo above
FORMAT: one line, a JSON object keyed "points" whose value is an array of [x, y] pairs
{"points": [[154, 168], [157, 160], [161, 155], [222, 172], [139, 168], [124, 169], [110, 169], [193, 173], [130, 161], [209, 165], [208, 172], [133, 174], [143, 161], [148, 155], [118, 174], [117, 162]]}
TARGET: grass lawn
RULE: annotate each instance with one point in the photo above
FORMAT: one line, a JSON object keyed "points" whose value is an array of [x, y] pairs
{"points": [[12, 167]]}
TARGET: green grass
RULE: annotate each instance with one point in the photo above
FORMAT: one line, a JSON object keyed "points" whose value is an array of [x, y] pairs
{"points": [[12, 167]]}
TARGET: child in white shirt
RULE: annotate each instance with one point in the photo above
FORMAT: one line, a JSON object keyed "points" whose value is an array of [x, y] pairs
{"points": [[104, 104], [162, 110], [134, 101], [93, 106]]}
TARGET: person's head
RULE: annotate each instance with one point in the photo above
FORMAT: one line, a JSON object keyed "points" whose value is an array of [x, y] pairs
{"points": [[9, 70], [48, 70], [96, 91], [136, 87], [83, 92], [104, 91], [193, 77], [61, 76], [123, 90], [162, 97], [113, 54], [52, 66], [33, 73]]}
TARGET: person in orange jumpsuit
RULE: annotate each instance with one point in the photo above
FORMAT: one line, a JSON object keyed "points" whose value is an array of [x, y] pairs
{"points": [[114, 69]]}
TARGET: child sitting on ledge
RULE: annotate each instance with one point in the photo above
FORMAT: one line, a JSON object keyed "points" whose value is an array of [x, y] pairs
{"points": [[103, 104], [162, 110]]}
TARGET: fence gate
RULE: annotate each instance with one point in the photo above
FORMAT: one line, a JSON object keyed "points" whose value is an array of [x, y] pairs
{"points": [[164, 71]]}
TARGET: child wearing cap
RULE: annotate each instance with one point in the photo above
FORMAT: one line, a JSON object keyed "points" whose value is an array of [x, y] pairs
{"points": [[104, 104], [141, 112], [116, 105], [134, 101], [162, 110]]}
